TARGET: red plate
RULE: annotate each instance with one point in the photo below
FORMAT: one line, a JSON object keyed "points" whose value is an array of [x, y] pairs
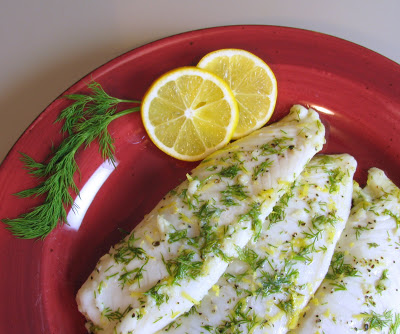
{"points": [[356, 90]]}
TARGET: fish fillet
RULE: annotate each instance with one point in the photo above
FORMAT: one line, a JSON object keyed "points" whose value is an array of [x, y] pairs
{"points": [[183, 246], [361, 293], [266, 288]]}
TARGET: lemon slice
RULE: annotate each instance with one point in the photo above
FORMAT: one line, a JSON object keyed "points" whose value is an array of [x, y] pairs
{"points": [[189, 113], [252, 82]]}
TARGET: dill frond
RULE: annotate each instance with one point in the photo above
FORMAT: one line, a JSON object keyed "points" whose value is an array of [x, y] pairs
{"points": [[85, 121]]}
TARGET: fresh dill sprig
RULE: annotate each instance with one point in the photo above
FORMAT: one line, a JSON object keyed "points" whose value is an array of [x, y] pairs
{"points": [[85, 121]]}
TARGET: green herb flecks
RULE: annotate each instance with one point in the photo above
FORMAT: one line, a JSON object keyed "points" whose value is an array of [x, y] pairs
{"points": [[125, 251], [177, 235], [253, 215], [261, 169], [207, 211], [85, 121], [376, 321], [276, 281], [241, 316], [286, 306], [190, 201], [132, 276], [250, 257], [233, 193], [360, 229], [277, 146], [183, 266], [278, 211], [303, 254], [394, 216], [395, 325], [155, 293], [115, 315], [338, 270], [229, 172], [335, 178], [380, 287], [209, 240], [318, 223]]}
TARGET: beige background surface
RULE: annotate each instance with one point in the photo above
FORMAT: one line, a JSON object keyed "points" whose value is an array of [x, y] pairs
{"points": [[47, 45]]}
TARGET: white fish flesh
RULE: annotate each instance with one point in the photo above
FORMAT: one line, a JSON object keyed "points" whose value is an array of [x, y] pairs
{"points": [[183, 246], [265, 289], [361, 293]]}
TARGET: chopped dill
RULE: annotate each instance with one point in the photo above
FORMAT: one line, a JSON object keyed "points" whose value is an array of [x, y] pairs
{"points": [[183, 266], [278, 211], [286, 306], [233, 192], [303, 254], [395, 325], [235, 278], [276, 282], [253, 216], [261, 169], [394, 216], [238, 317], [360, 229], [380, 287], [115, 315], [127, 252], [335, 177], [156, 295], [129, 277], [276, 146], [177, 235], [229, 172], [190, 202], [338, 270], [250, 257], [207, 212], [377, 321]]}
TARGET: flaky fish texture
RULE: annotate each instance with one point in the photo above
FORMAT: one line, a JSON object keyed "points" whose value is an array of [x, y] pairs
{"points": [[361, 292], [265, 289], [183, 246]]}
